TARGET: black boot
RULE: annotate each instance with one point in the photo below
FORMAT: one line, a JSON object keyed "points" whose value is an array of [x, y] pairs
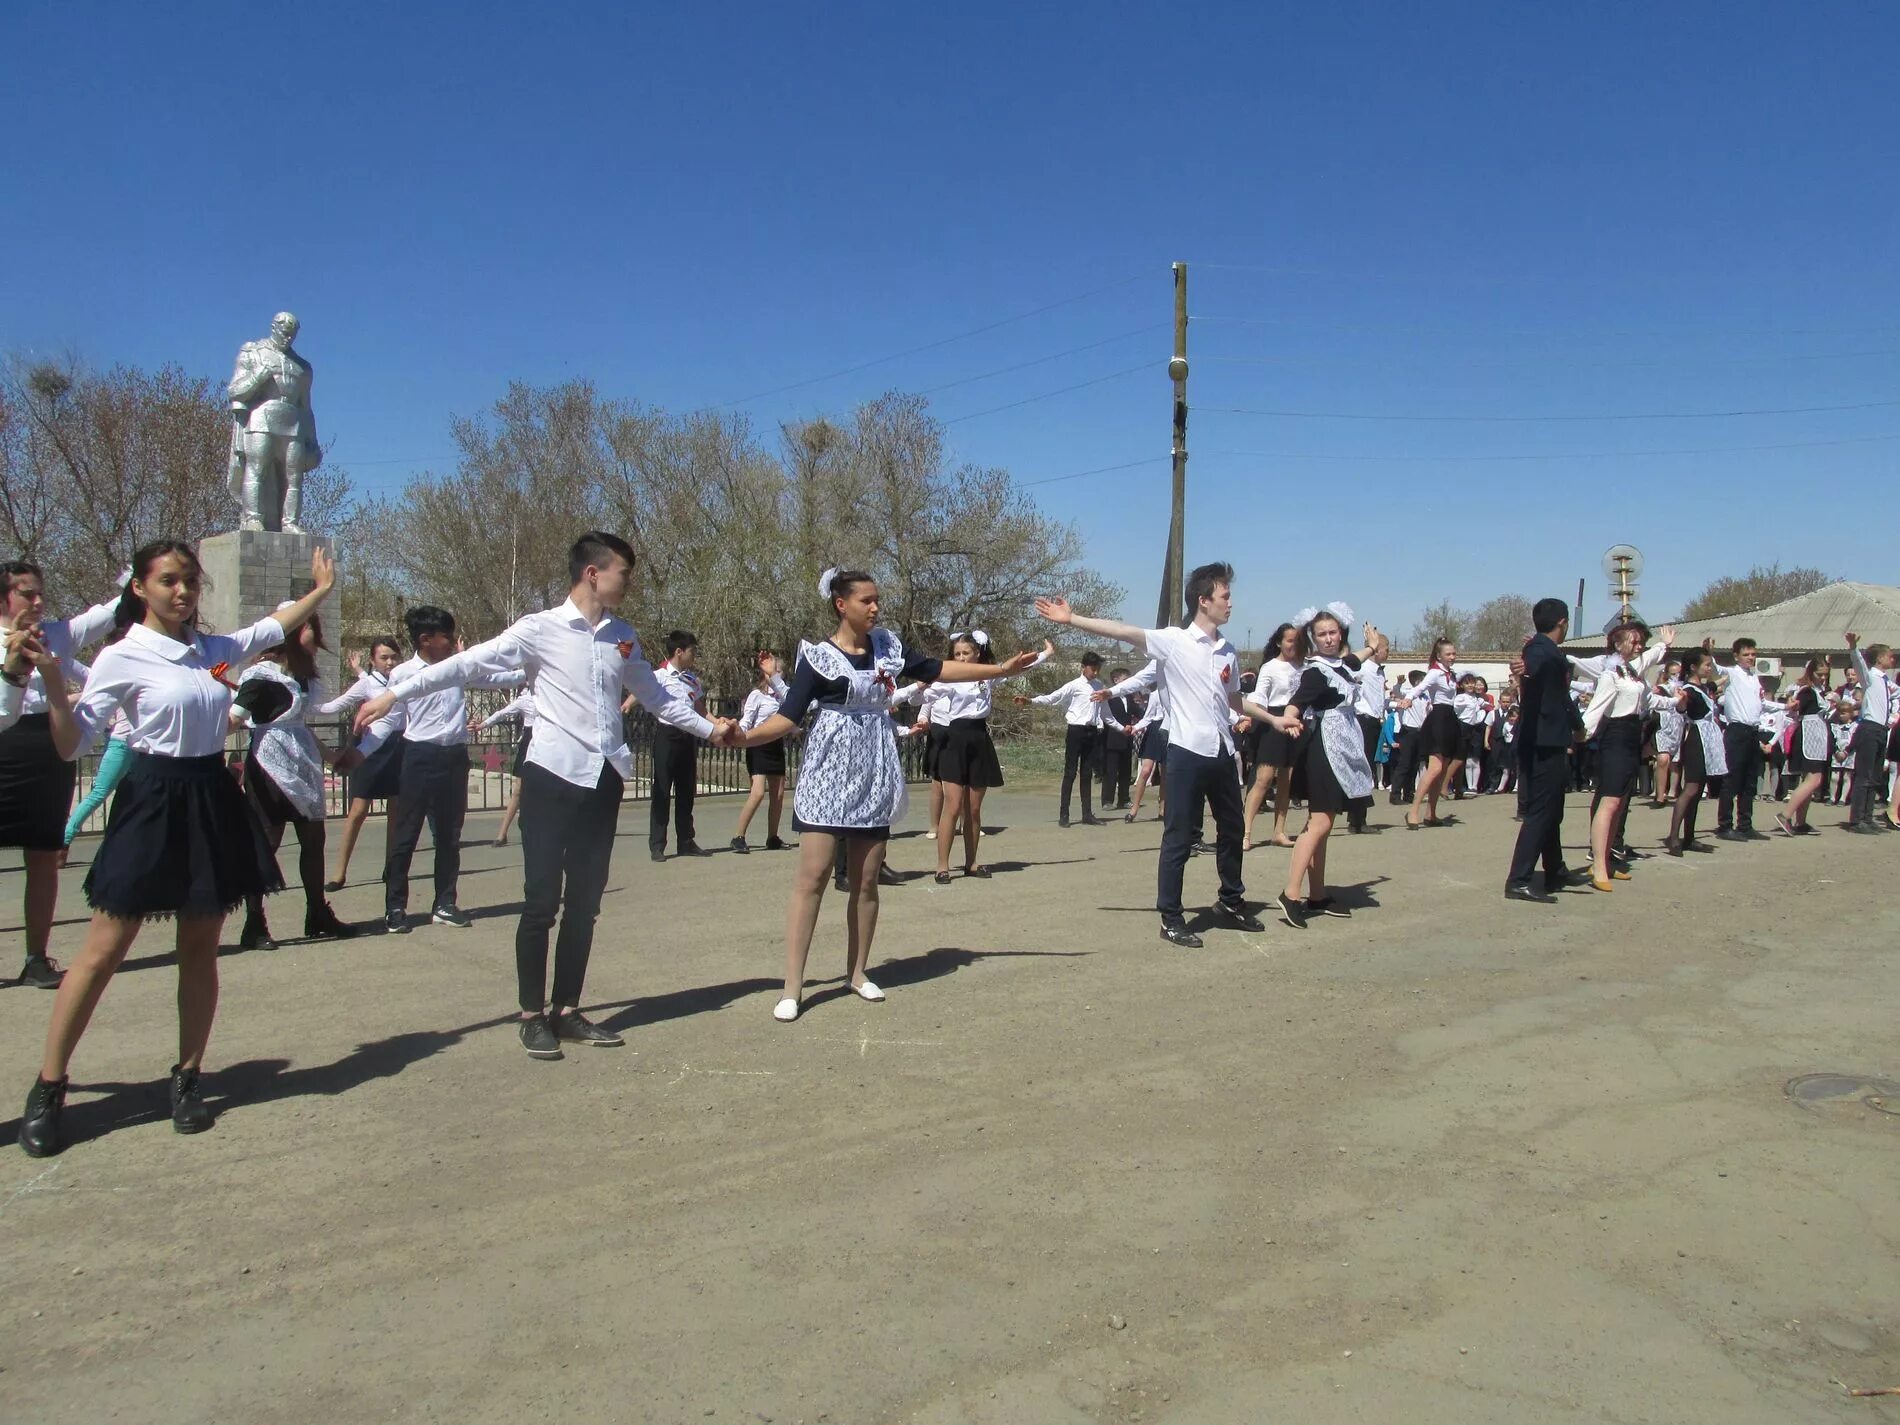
{"points": [[40, 1131], [190, 1112], [320, 923], [256, 933]]}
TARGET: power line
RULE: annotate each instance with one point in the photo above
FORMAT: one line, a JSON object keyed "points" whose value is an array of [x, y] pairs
{"points": [[1099, 470], [1543, 331], [1405, 359], [927, 346], [1532, 420], [1042, 360], [1550, 455], [1063, 391]]}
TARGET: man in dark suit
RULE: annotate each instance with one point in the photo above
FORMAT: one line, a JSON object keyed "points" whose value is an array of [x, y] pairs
{"points": [[1118, 749], [1547, 724]]}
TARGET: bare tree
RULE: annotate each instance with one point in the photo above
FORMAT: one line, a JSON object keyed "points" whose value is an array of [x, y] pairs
{"points": [[1757, 589], [1499, 624], [1441, 620]]}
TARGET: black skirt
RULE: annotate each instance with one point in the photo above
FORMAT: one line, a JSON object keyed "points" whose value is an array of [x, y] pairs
{"points": [[968, 758], [1474, 742], [862, 833], [1693, 759], [1893, 743], [767, 760], [180, 840], [1315, 782], [933, 748], [1442, 735], [36, 786], [521, 749], [380, 775], [1619, 755], [1275, 748], [1154, 748], [267, 797]]}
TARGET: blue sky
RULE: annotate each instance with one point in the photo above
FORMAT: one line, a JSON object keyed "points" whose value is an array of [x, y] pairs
{"points": [[1449, 210]]}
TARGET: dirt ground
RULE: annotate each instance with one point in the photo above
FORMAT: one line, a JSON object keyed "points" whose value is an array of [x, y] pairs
{"points": [[1454, 1160]]}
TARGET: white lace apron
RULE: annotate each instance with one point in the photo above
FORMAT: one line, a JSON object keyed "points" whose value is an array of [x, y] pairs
{"points": [[1714, 753], [850, 776], [1344, 744], [288, 750]]}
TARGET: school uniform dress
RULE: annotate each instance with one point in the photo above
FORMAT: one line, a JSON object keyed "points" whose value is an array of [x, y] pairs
{"points": [[1614, 718], [379, 775], [575, 774], [761, 704], [1811, 748], [1330, 768], [36, 783], [968, 755], [1669, 720], [850, 779], [675, 767], [1273, 690], [1704, 750], [180, 838], [1440, 732], [283, 767]]}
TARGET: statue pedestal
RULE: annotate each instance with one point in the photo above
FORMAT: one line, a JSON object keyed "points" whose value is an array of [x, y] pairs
{"points": [[249, 572]]}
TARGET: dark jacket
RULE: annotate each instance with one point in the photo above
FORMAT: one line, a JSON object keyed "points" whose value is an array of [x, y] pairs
{"points": [[1546, 716], [1127, 715]]}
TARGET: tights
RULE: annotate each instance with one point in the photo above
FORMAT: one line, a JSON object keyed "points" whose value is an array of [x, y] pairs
{"points": [[309, 865], [1682, 820]]}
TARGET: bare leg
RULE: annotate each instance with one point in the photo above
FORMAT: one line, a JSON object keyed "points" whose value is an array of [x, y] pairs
{"points": [[815, 850], [1602, 832], [1661, 791], [775, 805], [197, 985], [1309, 855], [1256, 795], [936, 806], [346, 843], [953, 807], [508, 816], [1142, 774], [864, 858], [1282, 795], [1803, 795], [972, 823], [1427, 800], [107, 940], [752, 801], [42, 897]]}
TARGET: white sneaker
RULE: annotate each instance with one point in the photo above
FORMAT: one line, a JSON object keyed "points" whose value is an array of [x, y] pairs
{"points": [[786, 1010], [930, 835], [869, 991]]}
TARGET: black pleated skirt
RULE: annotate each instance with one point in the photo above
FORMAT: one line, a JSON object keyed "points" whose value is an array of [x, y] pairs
{"points": [[1274, 748], [1619, 755], [1442, 734], [766, 761], [933, 748], [181, 840], [36, 786], [380, 775], [968, 757]]}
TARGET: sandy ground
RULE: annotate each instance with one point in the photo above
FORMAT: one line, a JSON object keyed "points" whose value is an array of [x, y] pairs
{"points": [[1454, 1160]]}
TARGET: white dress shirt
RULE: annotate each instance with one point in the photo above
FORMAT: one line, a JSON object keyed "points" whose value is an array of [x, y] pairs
{"points": [[1416, 708], [1622, 690], [439, 716], [1275, 683], [1437, 686], [681, 683], [63, 638], [1076, 698], [521, 707], [578, 673], [762, 703], [1876, 701], [369, 684], [1370, 700], [174, 703], [1741, 699], [12, 699], [1200, 673]]}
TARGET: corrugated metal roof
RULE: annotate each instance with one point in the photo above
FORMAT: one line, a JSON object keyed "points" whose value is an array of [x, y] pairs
{"points": [[1809, 623]]}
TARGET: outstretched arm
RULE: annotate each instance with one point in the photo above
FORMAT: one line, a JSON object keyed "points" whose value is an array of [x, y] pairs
{"points": [[1057, 610], [982, 672]]}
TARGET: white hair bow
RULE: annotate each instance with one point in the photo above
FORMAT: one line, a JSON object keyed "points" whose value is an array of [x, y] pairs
{"points": [[1338, 608], [824, 582], [1305, 616]]}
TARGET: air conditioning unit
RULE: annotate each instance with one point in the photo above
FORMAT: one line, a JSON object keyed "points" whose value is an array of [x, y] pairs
{"points": [[1768, 667]]}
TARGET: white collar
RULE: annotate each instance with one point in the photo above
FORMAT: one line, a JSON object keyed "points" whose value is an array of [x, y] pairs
{"points": [[161, 644], [570, 611]]}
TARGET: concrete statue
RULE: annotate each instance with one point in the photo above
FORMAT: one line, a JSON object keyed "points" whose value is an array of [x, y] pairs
{"points": [[273, 430]]}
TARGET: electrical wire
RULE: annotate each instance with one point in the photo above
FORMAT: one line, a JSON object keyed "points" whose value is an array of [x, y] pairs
{"points": [[1534, 420], [927, 346], [1554, 455], [1099, 470], [1517, 360], [1041, 360], [1540, 331], [1062, 391]]}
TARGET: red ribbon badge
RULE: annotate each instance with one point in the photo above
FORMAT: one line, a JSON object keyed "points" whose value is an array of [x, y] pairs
{"points": [[626, 648], [1226, 672], [218, 671]]}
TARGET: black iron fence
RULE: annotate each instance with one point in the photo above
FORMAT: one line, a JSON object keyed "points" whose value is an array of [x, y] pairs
{"points": [[491, 779]]}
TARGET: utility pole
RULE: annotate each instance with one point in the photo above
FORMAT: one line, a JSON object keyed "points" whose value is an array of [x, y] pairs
{"points": [[1173, 572]]}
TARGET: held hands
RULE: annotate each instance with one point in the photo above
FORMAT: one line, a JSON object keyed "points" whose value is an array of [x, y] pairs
{"points": [[726, 733], [1055, 609], [376, 708], [1243, 727], [1019, 700], [1289, 723]]}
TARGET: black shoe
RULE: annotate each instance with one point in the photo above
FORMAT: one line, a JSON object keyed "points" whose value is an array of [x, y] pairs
{"points": [[579, 1029], [1567, 880], [451, 915], [322, 924], [190, 1112], [1696, 844], [772, 843], [841, 882], [1727, 835], [1062, 821], [41, 973], [1517, 891], [1175, 932], [336, 885], [693, 848], [256, 935], [1749, 833], [1292, 912], [887, 877], [1200, 848], [1326, 905], [40, 1131], [1239, 917], [539, 1040], [1887, 823], [1092, 820], [738, 844], [1865, 828], [658, 854], [396, 922]]}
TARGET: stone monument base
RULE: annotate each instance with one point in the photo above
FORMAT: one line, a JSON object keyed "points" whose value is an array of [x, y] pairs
{"points": [[249, 572]]}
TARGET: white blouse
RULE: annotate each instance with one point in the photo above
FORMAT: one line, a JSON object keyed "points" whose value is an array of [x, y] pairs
{"points": [[64, 637], [762, 703], [176, 697], [1435, 687], [1275, 683], [1621, 691]]}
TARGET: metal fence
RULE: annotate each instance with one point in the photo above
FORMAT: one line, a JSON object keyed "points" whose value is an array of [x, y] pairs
{"points": [[491, 779]]}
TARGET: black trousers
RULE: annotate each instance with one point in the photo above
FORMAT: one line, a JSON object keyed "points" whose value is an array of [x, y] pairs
{"points": [[1544, 774], [1369, 730], [1190, 778], [1118, 766], [1081, 752], [1405, 763], [434, 789], [567, 842], [1735, 798], [675, 777], [1870, 771]]}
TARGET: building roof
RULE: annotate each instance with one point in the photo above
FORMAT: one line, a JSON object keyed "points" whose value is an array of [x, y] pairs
{"points": [[1808, 623]]}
